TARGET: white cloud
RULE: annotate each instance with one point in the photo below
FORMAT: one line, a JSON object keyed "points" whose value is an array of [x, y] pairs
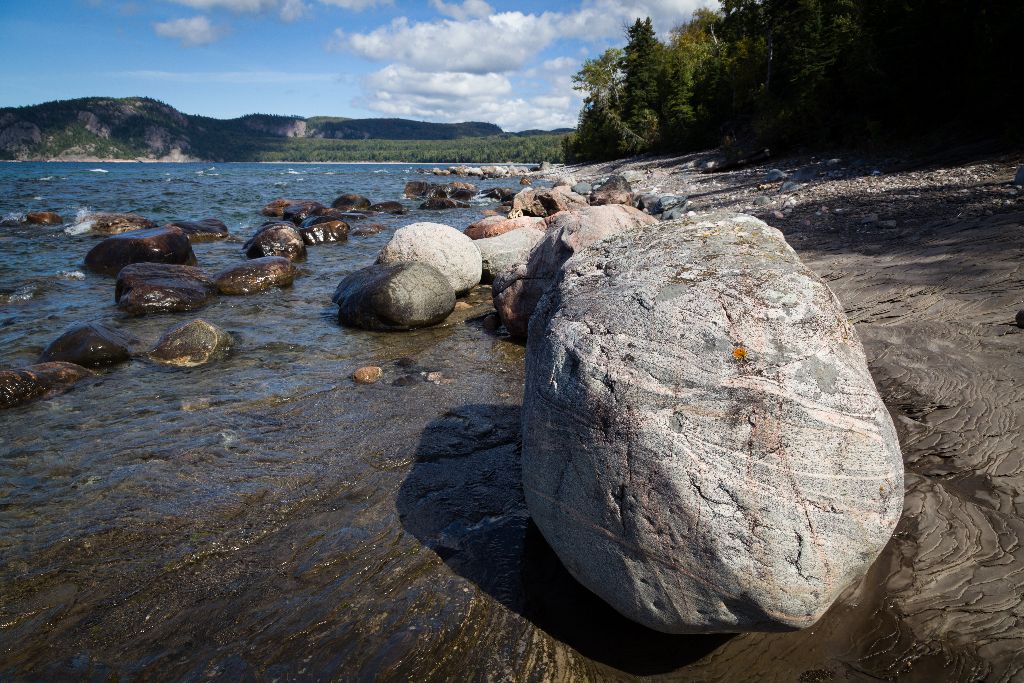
{"points": [[293, 10], [191, 32], [468, 9], [452, 96], [233, 5], [290, 10]]}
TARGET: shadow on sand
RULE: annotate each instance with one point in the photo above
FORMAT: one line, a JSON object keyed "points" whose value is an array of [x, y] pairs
{"points": [[463, 499]]}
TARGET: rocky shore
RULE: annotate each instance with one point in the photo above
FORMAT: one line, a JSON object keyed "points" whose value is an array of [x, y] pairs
{"points": [[603, 274]]}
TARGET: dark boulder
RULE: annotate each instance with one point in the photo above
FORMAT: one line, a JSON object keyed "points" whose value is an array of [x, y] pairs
{"points": [[439, 203], [161, 288], [368, 230], [256, 275], [276, 239], [190, 344], [296, 213], [155, 245], [206, 230], [401, 296], [38, 381], [351, 201], [90, 345], [321, 229], [43, 218], [389, 207], [499, 193], [275, 209], [417, 188]]}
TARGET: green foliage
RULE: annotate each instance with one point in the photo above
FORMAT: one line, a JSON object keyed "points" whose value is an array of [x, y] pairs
{"points": [[806, 72]]}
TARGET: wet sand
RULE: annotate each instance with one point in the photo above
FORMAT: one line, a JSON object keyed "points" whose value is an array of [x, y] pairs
{"points": [[405, 552]]}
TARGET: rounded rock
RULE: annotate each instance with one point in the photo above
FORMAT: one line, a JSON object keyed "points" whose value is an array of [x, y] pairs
{"points": [[155, 245], [160, 288], [190, 344], [43, 218], [206, 230], [437, 245], [90, 345], [371, 374], [256, 275], [401, 296], [276, 239], [38, 381]]}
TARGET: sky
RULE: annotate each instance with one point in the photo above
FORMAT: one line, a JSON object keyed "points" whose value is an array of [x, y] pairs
{"points": [[509, 63]]}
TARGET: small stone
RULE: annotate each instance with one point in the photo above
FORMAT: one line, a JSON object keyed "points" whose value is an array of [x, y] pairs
{"points": [[1020, 318], [462, 305], [778, 214], [774, 176], [789, 186], [371, 374]]}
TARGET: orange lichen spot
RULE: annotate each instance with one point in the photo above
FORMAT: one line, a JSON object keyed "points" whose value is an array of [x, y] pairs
{"points": [[739, 353]]}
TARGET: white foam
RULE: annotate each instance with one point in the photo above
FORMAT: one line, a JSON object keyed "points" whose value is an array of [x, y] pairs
{"points": [[98, 170], [82, 223], [49, 177], [71, 275]]}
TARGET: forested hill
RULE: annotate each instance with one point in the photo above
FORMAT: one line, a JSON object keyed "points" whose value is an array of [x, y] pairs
{"points": [[143, 128], [791, 73]]}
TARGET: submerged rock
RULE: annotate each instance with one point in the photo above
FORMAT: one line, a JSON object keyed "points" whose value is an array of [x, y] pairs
{"points": [[298, 212], [206, 230], [389, 207], [703, 445], [493, 226], [159, 288], [116, 223], [518, 289], [275, 209], [190, 344], [368, 229], [276, 239], [440, 203], [415, 189], [90, 345], [501, 253], [401, 296], [43, 218], [256, 275], [351, 201], [38, 381], [156, 245], [440, 246]]}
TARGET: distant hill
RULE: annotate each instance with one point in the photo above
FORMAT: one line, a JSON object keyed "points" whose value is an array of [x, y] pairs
{"points": [[144, 128]]}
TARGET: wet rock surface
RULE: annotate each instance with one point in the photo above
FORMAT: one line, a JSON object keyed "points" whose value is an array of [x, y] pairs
{"points": [[323, 229], [276, 239], [399, 296], [43, 218], [703, 445], [155, 245], [90, 345], [190, 344], [205, 230], [38, 381], [116, 223], [256, 275], [159, 288]]}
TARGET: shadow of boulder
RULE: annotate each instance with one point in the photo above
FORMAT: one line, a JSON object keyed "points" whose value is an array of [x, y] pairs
{"points": [[463, 499]]}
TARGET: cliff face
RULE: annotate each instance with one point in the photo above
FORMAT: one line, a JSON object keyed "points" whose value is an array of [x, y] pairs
{"points": [[143, 128]]}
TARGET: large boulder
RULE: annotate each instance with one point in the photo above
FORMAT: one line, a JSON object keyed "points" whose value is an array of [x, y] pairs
{"points": [[159, 288], [38, 381], [206, 230], [440, 246], [256, 275], [547, 202], [154, 245], [518, 289], [190, 344], [400, 296], [504, 252], [276, 239], [492, 226], [90, 345], [349, 201], [703, 445], [116, 223], [416, 188]]}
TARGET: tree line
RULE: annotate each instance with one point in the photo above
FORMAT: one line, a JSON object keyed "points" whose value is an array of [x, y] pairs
{"points": [[784, 73]]}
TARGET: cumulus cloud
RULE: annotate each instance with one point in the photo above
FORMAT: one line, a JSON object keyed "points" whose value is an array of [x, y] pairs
{"points": [[289, 10], [233, 5], [190, 32], [293, 10], [357, 5]]}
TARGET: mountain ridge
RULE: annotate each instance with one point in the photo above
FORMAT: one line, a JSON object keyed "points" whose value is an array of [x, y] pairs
{"points": [[147, 129]]}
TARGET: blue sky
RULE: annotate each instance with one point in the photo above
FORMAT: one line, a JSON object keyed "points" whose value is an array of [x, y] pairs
{"points": [[485, 60]]}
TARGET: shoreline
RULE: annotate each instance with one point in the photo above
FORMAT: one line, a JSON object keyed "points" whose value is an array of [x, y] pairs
{"points": [[289, 163]]}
